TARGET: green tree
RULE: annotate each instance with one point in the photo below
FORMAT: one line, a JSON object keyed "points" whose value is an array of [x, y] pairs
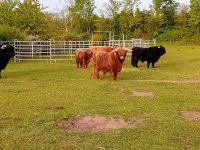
{"points": [[102, 24], [112, 9], [156, 18], [182, 22], [142, 24], [9, 33], [195, 15], [81, 18], [32, 19], [7, 12], [169, 13], [126, 23], [130, 5], [183, 16]]}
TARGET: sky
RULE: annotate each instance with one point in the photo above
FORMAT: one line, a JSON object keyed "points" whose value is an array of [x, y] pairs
{"points": [[54, 5]]}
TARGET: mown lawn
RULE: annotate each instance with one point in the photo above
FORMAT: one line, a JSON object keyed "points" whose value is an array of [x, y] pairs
{"points": [[31, 93]]}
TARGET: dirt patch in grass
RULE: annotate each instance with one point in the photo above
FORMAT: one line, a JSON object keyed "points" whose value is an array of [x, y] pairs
{"points": [[171, 81], [138, 93], [97, 123], [142, 94], [191, 115], [11, 118], [59, 108]]}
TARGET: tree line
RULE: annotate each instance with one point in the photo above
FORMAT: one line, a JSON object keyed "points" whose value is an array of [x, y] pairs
{"points": [[79, 19]]}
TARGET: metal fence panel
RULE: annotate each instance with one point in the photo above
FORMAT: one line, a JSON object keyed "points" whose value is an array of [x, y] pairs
{"points": [[59, 50]]}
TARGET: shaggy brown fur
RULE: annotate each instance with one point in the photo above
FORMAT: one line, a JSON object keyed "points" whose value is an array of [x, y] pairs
{"points": [[108, 62], [82, 57], [102, 48]]}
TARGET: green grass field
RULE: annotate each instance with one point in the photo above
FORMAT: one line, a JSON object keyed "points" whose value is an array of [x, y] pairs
{"points": [[32, 91]]}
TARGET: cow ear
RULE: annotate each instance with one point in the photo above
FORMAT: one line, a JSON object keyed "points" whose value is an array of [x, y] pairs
{"points": [[3, 47]]}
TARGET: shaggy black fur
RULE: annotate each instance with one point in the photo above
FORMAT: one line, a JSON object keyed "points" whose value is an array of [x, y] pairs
{"points": [[150, 54], [6, 53]]}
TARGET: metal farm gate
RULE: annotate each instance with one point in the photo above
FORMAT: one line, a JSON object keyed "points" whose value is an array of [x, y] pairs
{"points": [[62, 50]]}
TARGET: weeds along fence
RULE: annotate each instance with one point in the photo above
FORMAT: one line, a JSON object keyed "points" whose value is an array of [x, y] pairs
{"points": [[62, 50]]}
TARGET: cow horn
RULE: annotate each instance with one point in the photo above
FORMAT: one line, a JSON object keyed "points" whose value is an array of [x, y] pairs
{"points": [[3, 47], [128, 49], [114, 50]]}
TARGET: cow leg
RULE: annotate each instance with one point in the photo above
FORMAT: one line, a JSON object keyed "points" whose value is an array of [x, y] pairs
{"points": [[81, 64], [92, 74], [133, 61], [97, 74], [148, 63], [84, 64], [136, 64], [153, 64], [114, 76], [77, 64]]}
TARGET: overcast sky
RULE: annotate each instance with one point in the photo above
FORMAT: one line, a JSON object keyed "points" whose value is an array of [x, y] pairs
{"points": [[53, 5]]}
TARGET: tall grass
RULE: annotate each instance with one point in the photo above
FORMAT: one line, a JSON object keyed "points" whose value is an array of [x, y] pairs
{"points": [[32, 91]]}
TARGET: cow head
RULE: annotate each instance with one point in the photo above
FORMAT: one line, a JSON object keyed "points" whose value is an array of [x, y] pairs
{"points": [[120, 53], [162, 50], [3, 46], [89, 53], [9, 49]]}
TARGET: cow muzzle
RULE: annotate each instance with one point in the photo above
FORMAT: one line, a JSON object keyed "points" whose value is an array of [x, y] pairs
{"points": [[121, 57]]}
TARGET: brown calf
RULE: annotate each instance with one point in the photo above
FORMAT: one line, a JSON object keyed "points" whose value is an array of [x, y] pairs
{"points": [[82, 57]]}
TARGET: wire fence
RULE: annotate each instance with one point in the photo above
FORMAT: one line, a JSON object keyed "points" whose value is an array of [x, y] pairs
{"points": [[62, 50]]}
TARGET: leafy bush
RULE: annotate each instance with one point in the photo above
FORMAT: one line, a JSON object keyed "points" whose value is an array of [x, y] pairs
{"points": [[10, 32]]}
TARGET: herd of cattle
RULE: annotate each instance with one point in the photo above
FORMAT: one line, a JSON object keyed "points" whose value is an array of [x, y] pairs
{"points": [[110, 59], [103, 58]]}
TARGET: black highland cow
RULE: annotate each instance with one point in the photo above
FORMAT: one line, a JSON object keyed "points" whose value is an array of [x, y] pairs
{"points": [[6, 53], [150, 54]]}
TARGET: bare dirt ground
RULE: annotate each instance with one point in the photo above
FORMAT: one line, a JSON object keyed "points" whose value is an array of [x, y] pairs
{"points": [[97, 123], [142, 94], [170, 81], [191, 115], [138, 93], [11, 118]]}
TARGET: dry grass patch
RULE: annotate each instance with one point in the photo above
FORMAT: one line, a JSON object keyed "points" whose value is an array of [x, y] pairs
{"points": [[142, 94], [138, 93], [59, 108], [191, 115], [97, 123], [11, 118]]}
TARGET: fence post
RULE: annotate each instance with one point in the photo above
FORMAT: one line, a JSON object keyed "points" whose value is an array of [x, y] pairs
{"points": [[32, 49], [89, 42], [16, 53], [70, 49], [50, 50]]}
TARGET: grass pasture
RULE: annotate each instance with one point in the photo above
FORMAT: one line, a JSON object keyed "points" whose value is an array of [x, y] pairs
{"points": [[34, 94]]}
